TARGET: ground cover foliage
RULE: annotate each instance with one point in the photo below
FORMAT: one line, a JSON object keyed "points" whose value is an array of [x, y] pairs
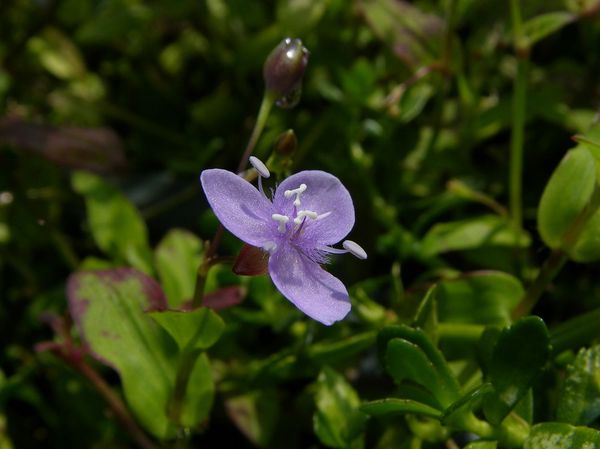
{"points": [[467, 133]]}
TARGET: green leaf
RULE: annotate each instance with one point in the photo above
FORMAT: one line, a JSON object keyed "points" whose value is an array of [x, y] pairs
{"points": [[255, 414], [116, 225], [562, 436], [537, 28], [338, 421], [518, 358], [177, 258], [568, 191], [482, 445], [413, 101], [199, 394], [406, 360], [334, 351], [579, 400], [426, 317], [389, 406], [467, 403], [485, 297], [587, 248], [447, 386], [57, 54], [108, 309], [196, 329], [472, 233]]}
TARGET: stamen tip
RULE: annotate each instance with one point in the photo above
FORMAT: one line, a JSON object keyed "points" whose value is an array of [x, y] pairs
{"points": [[259, 166], [355, 249]]}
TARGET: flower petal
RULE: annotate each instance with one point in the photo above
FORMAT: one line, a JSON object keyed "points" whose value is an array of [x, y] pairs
{"points": [[324, 194], [242, 209], [313, 290]]}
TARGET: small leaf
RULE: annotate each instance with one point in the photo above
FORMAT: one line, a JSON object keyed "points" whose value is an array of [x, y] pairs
{"points": [[407, 361], [338, 421], [426, 317], [108, 308], [579, 400], [333, 351], [566, 194], [539, 27], [518, 358], [255, 414], [177, 257], [484, 297], [196, 329], [562, 436], [389, 406], [116, 225], [472, 233], [467, 403], [482, 445], [57, 54]]}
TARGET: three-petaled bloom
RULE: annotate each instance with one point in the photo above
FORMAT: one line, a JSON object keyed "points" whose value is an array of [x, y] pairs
{"points": [[309, 211]]}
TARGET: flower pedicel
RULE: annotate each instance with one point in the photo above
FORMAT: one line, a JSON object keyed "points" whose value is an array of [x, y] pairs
{"points": [[310, 211]]}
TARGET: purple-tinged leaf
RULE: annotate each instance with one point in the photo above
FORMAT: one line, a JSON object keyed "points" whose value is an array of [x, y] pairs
{"points": [[108, 308], [95, 149]]}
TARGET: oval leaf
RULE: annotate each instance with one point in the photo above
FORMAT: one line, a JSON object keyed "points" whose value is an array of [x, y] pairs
{"points": [[389, 406], [108, 309], [566, 194], [518, 358]]}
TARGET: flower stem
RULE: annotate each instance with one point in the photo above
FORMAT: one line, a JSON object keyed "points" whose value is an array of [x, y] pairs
{"points": [[210, 253], [516, 145], [557, 257], [261, 120], [114, 402], [547, 273]]}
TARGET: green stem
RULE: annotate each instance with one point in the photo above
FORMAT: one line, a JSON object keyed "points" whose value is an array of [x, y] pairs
{"points": [[516, 145], [547, 273], [557, 257], [116, 405], [518, 119], [210, 254], [188, 361], [263, 114]]}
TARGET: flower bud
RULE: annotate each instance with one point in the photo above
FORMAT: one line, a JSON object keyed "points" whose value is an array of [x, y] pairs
{"points": [[284, 68], [286, 143]]}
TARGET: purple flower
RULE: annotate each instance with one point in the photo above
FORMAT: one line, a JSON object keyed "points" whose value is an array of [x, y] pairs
{"points": [[310, 211]]}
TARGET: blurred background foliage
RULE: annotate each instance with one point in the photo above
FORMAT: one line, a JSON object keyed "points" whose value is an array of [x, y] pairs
{"points": [[109, 110]]}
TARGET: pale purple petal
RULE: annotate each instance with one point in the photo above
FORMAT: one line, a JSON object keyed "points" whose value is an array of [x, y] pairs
{"points": [[313, 290], [324, 194], [242, 209]]}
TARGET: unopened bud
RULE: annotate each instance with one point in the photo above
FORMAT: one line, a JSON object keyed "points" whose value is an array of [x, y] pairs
{"points": [[286, 143], [284, 68]]}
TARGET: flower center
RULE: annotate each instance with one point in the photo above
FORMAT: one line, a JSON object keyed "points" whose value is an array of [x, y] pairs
{"points": [[299, 216]]}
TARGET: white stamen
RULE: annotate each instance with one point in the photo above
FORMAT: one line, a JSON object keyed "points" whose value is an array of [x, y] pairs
{"points": [[325, 215], [269, 247], [305, 213], [289, 193], [260, 167], [282, 219], [355, 249]]}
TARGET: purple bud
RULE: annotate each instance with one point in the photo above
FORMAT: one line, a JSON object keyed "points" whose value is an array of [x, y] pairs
{"points": [[284, 67]]}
